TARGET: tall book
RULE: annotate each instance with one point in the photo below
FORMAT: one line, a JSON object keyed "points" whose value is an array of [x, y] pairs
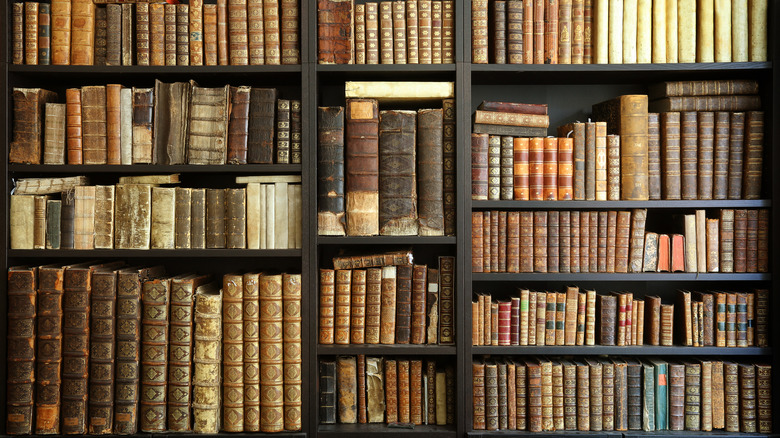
{"points": [[292, 362], [362, 167], [206, 359], [232, 352], [82, 33], [48, 344], [330, 171], [20, 381], [154, 354], [334, 31], [102, 348], [207, 131], [397, 187], [271, 362], [430, 178]]}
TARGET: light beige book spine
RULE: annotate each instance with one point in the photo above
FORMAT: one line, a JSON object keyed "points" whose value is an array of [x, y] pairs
{"points": [[691, 261], [399, 91], [270, 216], [104, 217], [150, 179], [686, 30], [375, 390], [262, 219], [291, 211], [39, 222], [630, 15], [616, 31], [266, 179], [600, 38], [722, 30], [163, 218], [757, 30], [206, 357], [84, 218], [671, 31], [126, 126], [22, 229], [253, 214], [701, 241], [705, 48], [739, 30], [132, 212], [659, 31], [298, 193], [48, 186], [280, 216], [54, 139], [644, 31]]}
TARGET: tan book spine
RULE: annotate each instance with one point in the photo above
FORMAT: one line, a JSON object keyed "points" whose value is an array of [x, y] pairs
{"points": [[686, 33], [206, 358], [292, 360], [757, 30], [271, 354], [739, 31]]}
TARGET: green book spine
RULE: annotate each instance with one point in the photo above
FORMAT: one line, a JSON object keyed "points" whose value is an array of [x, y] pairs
{"points": [[661, 396]]}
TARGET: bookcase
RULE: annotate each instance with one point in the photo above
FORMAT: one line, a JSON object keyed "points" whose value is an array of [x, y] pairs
{"points": [[569, 90]]}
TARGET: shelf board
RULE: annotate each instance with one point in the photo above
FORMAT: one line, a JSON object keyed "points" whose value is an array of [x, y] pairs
{"points": [[556, 434], [360, 430], [644, 350], [152, 69], [149, 253], [385, 240], [646, 276], [385, 68], [380, 349], [564, 205], [622, 68], [263, 169], [694, 434]]}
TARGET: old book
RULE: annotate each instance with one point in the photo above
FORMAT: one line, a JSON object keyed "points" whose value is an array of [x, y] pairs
{"points": [[255, 32], [27, 144], [394, 15], [157, 33], [342, 306], [638, 218], [73, 125], [651, 253], [113, 124], [479, 166], [327, 372], [233, 352], [747, 398], [752, 155], [104, 217], [721, 155], [102, 348], [237, 33], [289, 30], [271, 28], [271, 326], [235, 218], [540, 241], [763, 397], [430, 180], [397, 203], [93, 124], [133, 209], [251, 350], [691, 259], [39, 222], [113, 55], [53, 219], [627, 117], [215, 218], [362, 167], [206, 359], [163, 219], [82, 33], [335, 36], [183, 215], [84, 217], [22, 285], [210, 30], [375, 390], [154, 354], [171, 119], [282, 131], [689, 154], [740, 240], [48, 344], [207, 130], [142, 146], [295, 132], [54, 134], [331, 171], [607, 319], [261, 127], [327, 306], [712, 253], [707, 103], [143, 56], [419, 307], [403, 304], [60, 32]]}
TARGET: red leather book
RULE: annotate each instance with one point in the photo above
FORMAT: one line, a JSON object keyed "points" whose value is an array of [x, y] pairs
{"points": [[664, 253], [550, 170], [678, 253], [565, 169], [536, 174], [504, 322], [514, 320], [479, 166]]}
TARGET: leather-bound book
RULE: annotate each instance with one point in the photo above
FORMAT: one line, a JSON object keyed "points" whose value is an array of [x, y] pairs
{"points": [[82, 33], [182, 211], [143, 104], [621, 395], [292, 362], [448, 32], [331, 171], [527, 241], [53, 222], [289, 32], [362, 163], [706, 149], [102, 347], [762, 246], [342, 307], [113, 124], [520, 168], [238, 125], [691, 247], [574, 240], [358, 307], [215, 218], [430, 179], [478, 396], [198, 219], [627, 116], [491, 396], [237, 32], [596, 403], [235, 218], [372, 33], [584, 230], [550, 169], [397, 28], [415, 392], [60, 32], [550, 29], [708, 103], [653, 155], [448, 161], [590, 161], [583, 396], [634, 374], [133, 207], [93, 122], [262, 116], [44, 34], [54, 151], [506, 181], [536, 169], [593, 244], [271, 32], [494, 167], [712, 253], [397, 201], [157, 34], [752, 241], [327, 306], [251, 348], [553, 241], [540, 241], [564, 241], [154, 354], [650, 261], [638, 218], [223, 41], [479, 32], [207, 130], [327, 402], [31, 33], [736, 152], [432, 303], [84, 217], [664, 253], [375, 390], [163, 222], [206, 358], [653, 318], [670, 155], [210, 29], [447, 300], [740, 240], [436, 32], [27, 144], [335, 31], [569, 395], [565, 32], [271, 354], [142, 27], [479, 166], [747, 398], [48, 344], [607, 319], [732, 396], [581, 165], [731, 319], [753, 154], [391, 390], [764, 398], [721, 155], [689, 154], [387, 329], [622, 241], [565, 169], [283, 131], [195, 32], [20, 381], [601, 161], [232, 353], [477, 242], [255, 32], [104, 217], [418, 304], [22, 230], [497, 38], [113, 34]]}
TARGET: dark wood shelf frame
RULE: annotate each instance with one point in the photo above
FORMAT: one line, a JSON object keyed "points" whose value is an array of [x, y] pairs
{"points": [[380, 349], [612, 350], [603, 205], [257, 169]]}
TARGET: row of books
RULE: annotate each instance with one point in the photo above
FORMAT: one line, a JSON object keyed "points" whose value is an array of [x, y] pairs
{"points": [[201, 368], [395, 304], [386, 390], [617, 32], [386, 32], [248, 32], [172, 123], [388, 173], [722, 319], [616, 241], [621, 394], [140, 216]]}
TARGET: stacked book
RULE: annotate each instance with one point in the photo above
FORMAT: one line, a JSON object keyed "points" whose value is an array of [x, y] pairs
{"points": [[511, 119], [386, 390], [172, 123], [616, 241], [621, 394], [617, 31], [245, 32], [386, 299], [138, 213], [386, 32], [196, 341], [392, 174], [722, 319]]}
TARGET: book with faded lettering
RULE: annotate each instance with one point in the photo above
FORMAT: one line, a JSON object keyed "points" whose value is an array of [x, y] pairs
{"points": [[272, 352], [397, 187], [208, 125], [330, 171], [206, 358], [170, 122]]}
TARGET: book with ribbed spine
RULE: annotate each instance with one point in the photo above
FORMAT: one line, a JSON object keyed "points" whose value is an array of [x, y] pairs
{"points": [[48, 348], [232, 353], [22, 285], [206, 358], [102, 349], [154, 354], [330, 205], [362, 167], [291, 326], [271, 353]]}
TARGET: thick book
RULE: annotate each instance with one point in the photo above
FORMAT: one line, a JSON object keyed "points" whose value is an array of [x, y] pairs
{"points": [[262, 125], [397, 187], [154, 354], [21, 356], [207, 131], [271, 326], [206, 359], [170, 122], [143, 140], [429, 167], [27, 144], [330, 174], [82, 33], [102, 347], [334, 31], [362, 167], [707, 103]]}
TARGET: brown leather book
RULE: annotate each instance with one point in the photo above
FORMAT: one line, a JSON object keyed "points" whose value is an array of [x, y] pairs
{"points": [[82, 33], [477, 242], [362, 167], [764, 398], [429, 167], [154, 354], [494, 168], [731, 319], [169, 20], [638, 218], [565, 30], [718, 396], [613, 170], [536, 169], [553, 241], [372, 33], [391, 390], [183, 214], [342, 307], [210, 45], [692, 406], [479, 32], [706, 150], [102, 347], [104, 217], [627, 117], [335, 31], [436, 31], [448, 161], [478, 396], [143, 105], [22, 285], [550, 169], [479, 166], [527, 241], [550, 32], [255, 32], [596, 394], [289, 32], [762, 247], [398, 30], [689, 154], [574, 240], [60, 32], [358, 306], [583, 396], [721, 155], [607, 319], [215, 218], [295, 132], [331, 171], [362, 413], [251, 359], [397, 201], [584, 229], [704, 88], [593, 244], [667, 324], [448, 32], [540, 241], [736, 151], [271, 30], [418, 309], [93, 122], [752, 241], [170, 122], [223, 42], [564, 241], [157, 34], [271, 367], [198, 219], [113, 34], [732, 396], [142, 28], [232, 353], [747, 398], [283, 131], [43, 34], [387, 329], [707, 103], [653, 155], [346, 383], [565, 169], [327, 306], [576, 131], [506, 181], [740, 240], [712, 247], [753, 154], [113, 123], [262, 116], [621, 395], [497, 38], [207, 354], [27, 144], [653, 318], [48, 344], [622, 241], [447, 300], [207, 131], [601, 161], [415, 392], [292, 361], [670, 155], [237, 32], [238, 125], [685, 317], [528, 33], [195, 32]]}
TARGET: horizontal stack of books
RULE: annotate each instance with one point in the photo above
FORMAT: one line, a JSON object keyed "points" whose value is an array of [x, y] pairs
{"points": [[386, 390], [722, 319], [386, 32], [621, 394], [139, 214], [385, 299], [616, 241], [617, 31], [172, 123], [201, 367], [248, 32]]}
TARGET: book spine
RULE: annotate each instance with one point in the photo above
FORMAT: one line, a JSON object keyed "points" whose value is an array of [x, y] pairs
{"points": [[429, 167], [271, 337], [272, 33], [60, 32], [22, 285], [397, 201], [289, 32], [154, 354], [331, 171]]}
